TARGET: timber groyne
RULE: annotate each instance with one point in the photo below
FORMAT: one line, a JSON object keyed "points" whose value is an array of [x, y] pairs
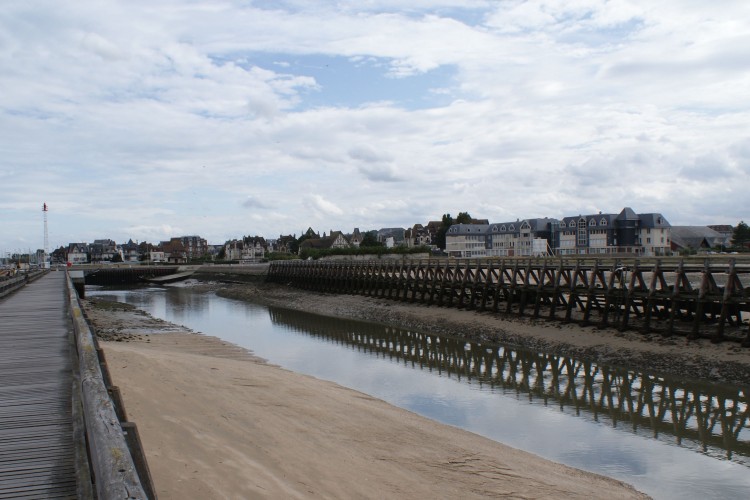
{"points": [[696, 300]]}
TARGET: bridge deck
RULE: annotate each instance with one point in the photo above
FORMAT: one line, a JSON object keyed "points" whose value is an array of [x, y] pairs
{"points": [[36, 426]]}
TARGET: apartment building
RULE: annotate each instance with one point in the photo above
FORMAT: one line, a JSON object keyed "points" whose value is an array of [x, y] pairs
{"points": [[595, 234]]}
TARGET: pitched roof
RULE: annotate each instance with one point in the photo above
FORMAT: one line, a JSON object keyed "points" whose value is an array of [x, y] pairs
{"points": [[695, 236], [468, 229], [653, 220]]}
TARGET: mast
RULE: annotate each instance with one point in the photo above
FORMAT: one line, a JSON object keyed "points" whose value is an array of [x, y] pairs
{"points": [[45, 261]]}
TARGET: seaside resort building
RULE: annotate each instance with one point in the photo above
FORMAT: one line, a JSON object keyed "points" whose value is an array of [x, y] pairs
{"points": [[598, 234]]}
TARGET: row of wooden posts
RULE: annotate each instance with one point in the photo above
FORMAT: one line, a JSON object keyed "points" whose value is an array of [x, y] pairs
{"points": [[669, 297]]}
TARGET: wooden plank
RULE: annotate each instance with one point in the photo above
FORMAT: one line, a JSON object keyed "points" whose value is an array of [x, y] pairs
{"points": [[36, 375]]}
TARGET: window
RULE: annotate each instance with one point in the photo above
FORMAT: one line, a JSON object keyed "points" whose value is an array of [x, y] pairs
{"points": [[592, 222], [503, 228], [582, 235], [603, 222], [512, 227], [562, 224]]}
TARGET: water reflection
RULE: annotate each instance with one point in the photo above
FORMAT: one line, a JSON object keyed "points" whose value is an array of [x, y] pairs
{"points": [[712, 418]]}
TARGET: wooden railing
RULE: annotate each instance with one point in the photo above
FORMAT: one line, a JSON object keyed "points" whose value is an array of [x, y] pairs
{"points": [[112, 466], [670, 297]]}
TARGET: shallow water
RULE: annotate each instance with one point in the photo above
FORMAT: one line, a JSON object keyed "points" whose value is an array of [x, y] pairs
{"points": [[669, 438]]}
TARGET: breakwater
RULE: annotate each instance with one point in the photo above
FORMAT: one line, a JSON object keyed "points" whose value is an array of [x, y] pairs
{"points": [[124, 275], [670, 297]]}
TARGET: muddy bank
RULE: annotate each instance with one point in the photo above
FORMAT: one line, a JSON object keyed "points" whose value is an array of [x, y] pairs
{"points": [[677, 356], [217, 422]]}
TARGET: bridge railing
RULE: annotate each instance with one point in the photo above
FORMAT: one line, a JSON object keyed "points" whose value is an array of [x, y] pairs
{"points": [[670, 297], [10, 285], [113, 468]]}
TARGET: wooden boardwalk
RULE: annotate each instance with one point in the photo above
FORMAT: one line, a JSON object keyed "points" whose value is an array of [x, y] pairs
{"points": [[671, 297], [37, 449]]}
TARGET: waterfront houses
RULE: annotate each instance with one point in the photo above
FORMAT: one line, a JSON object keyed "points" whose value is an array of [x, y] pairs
{"points": [[248, 249], [594, 234]]}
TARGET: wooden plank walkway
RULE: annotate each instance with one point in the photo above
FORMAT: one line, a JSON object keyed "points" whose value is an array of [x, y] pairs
{"points": [[37, 452]]}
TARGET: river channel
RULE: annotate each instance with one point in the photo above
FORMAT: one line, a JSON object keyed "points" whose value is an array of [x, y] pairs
{"points": [[670, 438]]}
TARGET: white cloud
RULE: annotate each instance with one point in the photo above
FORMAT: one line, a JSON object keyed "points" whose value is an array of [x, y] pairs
{"points": [[322, 206], [169, 113]]}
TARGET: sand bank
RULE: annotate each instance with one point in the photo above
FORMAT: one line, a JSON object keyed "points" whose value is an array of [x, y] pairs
{"points": [[218, 423]]}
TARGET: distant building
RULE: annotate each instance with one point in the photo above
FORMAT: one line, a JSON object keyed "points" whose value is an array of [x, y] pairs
{"points": [[355, 239], [195, 246], [417, 236], [467, 240], [695, 238], [130, 252], [335, 240], [396, 233], [104, 250], [595, 234], [174, 251], [726, 231], [77, 253], [249, 249]]}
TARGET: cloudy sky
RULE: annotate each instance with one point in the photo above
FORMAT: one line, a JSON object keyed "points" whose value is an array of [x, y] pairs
{"points": [[147, 119]]}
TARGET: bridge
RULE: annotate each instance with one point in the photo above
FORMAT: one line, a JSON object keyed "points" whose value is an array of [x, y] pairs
{"points": [[696, 300], [60, 434]]}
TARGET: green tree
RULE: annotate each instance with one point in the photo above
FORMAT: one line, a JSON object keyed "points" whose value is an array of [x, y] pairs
{"points": [[741, 235], [369, 240], [440, 236], [463, 218]]}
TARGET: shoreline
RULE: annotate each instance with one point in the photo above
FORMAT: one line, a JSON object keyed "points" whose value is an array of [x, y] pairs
{"points": [[217, 422], [675, 356]]}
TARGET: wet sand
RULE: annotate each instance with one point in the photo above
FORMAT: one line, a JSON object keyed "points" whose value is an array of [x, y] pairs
{"points": [[216, 422]]}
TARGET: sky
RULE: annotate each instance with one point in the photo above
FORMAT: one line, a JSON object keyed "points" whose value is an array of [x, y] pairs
{"points": [[149, 119]]}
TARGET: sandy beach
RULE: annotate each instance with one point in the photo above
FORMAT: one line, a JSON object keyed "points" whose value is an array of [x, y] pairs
{"points": [[216, 422]]}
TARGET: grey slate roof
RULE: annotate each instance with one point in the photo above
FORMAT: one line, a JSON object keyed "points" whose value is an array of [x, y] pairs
{"points": [[653, 220], [695, 237], [468, 229]]}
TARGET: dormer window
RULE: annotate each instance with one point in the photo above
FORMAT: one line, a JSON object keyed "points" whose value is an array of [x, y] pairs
{"points": [[592, 222], [512, 227], [603, 222], [562, 224], [503, 228]]}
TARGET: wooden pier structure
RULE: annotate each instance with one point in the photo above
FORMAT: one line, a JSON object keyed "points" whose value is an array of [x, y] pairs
{"points": [[37, 448], [60, 436], [705, 300]]}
